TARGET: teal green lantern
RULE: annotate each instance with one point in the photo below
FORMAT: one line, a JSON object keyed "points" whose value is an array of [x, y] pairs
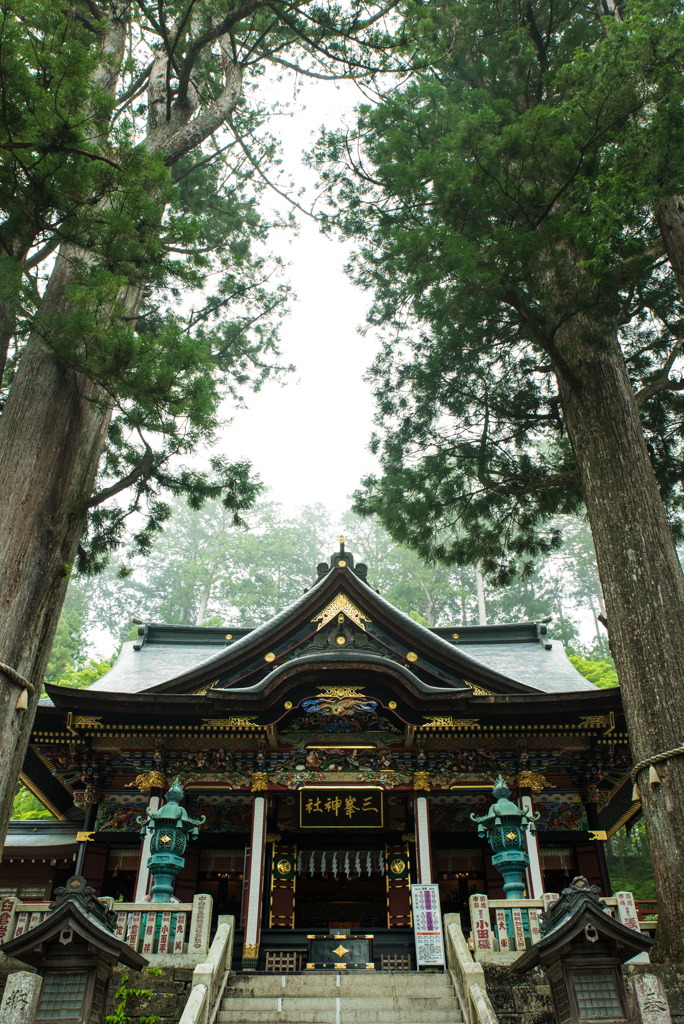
{"points": [[504, 828], [169, 828]]}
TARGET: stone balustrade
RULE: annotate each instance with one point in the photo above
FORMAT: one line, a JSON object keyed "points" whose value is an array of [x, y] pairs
{"points": [[167, 934], [502, 929]]}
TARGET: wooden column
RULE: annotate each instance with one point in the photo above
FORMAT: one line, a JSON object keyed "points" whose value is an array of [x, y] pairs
{"points": [[600, 845], [255, 885], [421, 785], [423, 847], [535, 869], [530, 783], [155, 781], [88, 828]]}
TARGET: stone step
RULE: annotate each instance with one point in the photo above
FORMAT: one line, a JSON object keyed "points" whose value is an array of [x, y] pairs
{"points": [[326, 983], [295, 1004], [297, 988], [332, 997], [343, 1016]]}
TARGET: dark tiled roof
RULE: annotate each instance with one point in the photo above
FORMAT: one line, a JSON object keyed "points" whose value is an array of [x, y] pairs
{"points": [[135, 671], [548, 670], [518, 652]]}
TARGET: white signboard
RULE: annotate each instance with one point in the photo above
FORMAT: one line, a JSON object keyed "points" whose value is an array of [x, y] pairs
{"points": [[427, 926]]}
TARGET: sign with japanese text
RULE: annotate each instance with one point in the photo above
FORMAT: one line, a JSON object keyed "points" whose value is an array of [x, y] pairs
{"points": [[427, 926], [341, 808], [479, 916]]}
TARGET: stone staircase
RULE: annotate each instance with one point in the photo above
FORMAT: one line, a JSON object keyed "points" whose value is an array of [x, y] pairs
{"points": [[378, 997]]}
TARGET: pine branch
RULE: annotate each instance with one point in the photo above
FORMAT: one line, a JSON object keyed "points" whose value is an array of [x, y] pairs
{"points": [[664, 382], [141, 470], [186, 138]]}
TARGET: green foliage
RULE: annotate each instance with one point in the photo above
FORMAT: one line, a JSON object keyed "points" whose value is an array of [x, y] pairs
{"points": [[629, 862], [600, 673], [506, 190], [124, 993], [26, 807], [89, 673], [148, 182], [69, 664], [70, 643]]}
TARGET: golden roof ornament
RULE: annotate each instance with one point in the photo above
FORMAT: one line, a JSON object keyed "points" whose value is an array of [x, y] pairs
{"points": [[341, 603]]}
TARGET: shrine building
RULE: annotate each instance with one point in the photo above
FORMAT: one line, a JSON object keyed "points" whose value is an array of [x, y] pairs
{"points": [[336, 753]]}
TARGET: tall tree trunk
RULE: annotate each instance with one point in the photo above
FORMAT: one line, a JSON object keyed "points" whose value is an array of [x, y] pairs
{"points": [[481, 605], [52, 434], [204, 601], [643, 588], [51, 437], [670, 220], [599, 638]]}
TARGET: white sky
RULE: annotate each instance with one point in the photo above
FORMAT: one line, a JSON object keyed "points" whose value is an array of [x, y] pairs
{"points": [[308, 440]]}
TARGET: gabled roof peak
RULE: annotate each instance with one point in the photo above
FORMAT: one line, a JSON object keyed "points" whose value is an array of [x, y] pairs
{"points": [[342, 560]]}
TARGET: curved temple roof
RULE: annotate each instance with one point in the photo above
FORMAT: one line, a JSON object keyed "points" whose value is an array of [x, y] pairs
{"points": [[511, 658]]}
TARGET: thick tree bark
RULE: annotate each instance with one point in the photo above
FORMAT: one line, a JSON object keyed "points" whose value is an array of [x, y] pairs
{"points": [[670, 220], [52, 434], [51, 437], [643, 588]]}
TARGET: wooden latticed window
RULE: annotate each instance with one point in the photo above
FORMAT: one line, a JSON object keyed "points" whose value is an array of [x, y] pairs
{"points": [[597, 997], [62, 996], [281, 961], [395, 963], [560, 998]]}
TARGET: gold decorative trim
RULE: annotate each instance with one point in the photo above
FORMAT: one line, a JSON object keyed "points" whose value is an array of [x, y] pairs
{"points": [[341, 603], [147, 781], [392, 705], [273, 837], [203, 689], [269, 657], [533, 781], [444, 722], [87, 722], [43, 799], [412, 656], [598, 722], [259, 781], [421, 780], [244, 722], [250, 951], [288, 705], [408, 837], [84, 837], [479, 691], [341, 691]]}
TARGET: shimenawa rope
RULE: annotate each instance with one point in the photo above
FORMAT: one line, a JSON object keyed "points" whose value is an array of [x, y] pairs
{"points": [[22, 702]]}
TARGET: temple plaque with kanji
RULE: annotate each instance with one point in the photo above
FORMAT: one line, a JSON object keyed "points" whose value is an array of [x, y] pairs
{"points": [[341, 808]]}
